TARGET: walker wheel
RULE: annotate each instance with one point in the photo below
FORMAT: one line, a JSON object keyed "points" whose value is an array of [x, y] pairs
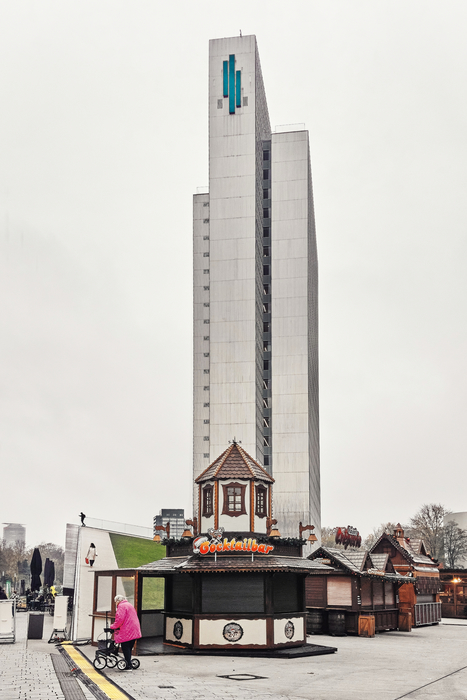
{"points": [[99, 662], [135, 663], [121, 665], [111, 661]]}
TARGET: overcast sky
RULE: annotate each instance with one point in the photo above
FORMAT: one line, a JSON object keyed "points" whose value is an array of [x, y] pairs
{"points": [[103, 141]]}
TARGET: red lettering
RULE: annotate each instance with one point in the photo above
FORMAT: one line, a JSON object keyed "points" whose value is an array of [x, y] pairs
{"points": [[204, 548], [226, 547], [212, 548], [254, 546]]}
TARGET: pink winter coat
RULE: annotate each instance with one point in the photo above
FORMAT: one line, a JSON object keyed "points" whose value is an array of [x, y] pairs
{"points": [[126, 623]]}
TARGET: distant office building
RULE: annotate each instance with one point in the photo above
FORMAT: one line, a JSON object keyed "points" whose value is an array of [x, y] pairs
{"points": [[176, 517], [461, 520], [256, 290], [13, 533]]}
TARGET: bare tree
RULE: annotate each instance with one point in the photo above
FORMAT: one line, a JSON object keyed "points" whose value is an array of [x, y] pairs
{"points": [[455, 544], [428, 524], [370, 539], [328, 538]]}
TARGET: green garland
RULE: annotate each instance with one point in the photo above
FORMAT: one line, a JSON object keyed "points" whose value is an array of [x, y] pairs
{"points": [[261, 539]]}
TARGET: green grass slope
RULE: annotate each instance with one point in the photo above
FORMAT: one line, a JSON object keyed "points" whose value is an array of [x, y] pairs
{"points": [[131, 552]]}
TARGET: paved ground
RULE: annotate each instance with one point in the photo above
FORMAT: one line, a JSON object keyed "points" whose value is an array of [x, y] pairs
{"points": [[430, 663]]}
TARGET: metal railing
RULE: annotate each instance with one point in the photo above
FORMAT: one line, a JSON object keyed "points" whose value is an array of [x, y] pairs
{"points": [[427, 614], [122, 528]]}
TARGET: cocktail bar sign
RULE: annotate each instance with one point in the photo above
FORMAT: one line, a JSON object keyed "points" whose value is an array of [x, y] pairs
{"points": [[204, 545]]}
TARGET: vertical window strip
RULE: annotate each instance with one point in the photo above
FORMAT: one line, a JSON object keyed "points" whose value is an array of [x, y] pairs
{"points": [[232, 84], [238, 89], [226, 79]]}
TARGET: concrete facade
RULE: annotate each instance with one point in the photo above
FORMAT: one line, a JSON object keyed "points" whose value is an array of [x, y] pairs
{"points": [[14, 533], [255, 291], [461, 519]]}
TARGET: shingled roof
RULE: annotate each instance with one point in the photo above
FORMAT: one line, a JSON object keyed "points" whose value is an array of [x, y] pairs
{"points": [[234, 564], [235, 463], [404, 546], [341, 559]]}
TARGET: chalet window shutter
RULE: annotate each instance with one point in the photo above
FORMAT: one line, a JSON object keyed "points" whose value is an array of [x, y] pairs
{"points": [[339, 591]]}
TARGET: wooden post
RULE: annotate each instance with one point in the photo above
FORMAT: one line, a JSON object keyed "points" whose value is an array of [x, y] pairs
{"points": [[269, 608], [252, 506], [216, 505]]}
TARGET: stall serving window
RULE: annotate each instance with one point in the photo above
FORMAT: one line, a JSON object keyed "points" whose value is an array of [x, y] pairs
{"points": [[232, 593], [181, 594], [339, 591], [285, 591]]}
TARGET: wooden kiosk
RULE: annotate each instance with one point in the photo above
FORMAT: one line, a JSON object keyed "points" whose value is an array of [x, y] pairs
{"points": [[239, 585]]}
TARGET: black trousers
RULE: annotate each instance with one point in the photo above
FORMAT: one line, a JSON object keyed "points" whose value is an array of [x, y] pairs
{"points": [[126, 649]]}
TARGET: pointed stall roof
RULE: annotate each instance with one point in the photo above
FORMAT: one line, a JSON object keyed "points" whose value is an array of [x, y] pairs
{"points": [[341, 559], [235, 463], [412, 554]]}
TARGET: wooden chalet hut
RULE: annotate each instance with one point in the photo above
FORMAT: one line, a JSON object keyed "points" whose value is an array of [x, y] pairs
{"points": [[237, 585], [409, 557], [358, 596], [453, 592]]}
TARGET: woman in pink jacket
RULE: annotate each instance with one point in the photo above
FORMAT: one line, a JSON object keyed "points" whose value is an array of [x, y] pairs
{"points": [[126, 626]]}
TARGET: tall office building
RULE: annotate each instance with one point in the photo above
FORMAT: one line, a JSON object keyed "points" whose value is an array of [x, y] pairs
{"points": [[176, 518], [14, 533], [256, 290]]}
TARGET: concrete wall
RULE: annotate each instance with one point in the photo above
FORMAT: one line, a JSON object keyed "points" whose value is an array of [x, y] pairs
{"points": [[229, 346], [294, 343], [84, 577]]}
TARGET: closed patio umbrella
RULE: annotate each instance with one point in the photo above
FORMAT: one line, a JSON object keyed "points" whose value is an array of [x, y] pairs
{"points": [[36, 570], [49, 572]]}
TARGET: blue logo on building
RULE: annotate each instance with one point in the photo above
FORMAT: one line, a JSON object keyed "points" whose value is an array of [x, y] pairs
{"points": [[232, 84]]}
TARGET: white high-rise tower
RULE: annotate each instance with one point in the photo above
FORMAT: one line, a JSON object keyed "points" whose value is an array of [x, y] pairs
{"points": [[256, 291]]}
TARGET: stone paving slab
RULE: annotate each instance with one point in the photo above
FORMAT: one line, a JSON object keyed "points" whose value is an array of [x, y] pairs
{"points": [[25, 675], [430, 663], [392, 665]]}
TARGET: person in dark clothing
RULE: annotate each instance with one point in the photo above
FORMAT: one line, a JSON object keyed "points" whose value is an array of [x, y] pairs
{"points": [[3, 595], [82, 516]]}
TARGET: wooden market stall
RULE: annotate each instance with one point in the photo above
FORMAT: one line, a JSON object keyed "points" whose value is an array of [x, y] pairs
{"points": [[409, 557], [358, 596]]}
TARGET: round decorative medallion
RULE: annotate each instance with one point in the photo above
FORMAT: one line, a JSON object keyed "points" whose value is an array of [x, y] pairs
{"points": [[289, 629], [178, 630], [233, 632]]}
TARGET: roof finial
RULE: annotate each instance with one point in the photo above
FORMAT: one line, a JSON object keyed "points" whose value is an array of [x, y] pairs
{"points": [[235, 441]]}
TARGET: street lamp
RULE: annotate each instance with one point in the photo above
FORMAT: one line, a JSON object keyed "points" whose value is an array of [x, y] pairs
{"points": [[312, 537]]}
